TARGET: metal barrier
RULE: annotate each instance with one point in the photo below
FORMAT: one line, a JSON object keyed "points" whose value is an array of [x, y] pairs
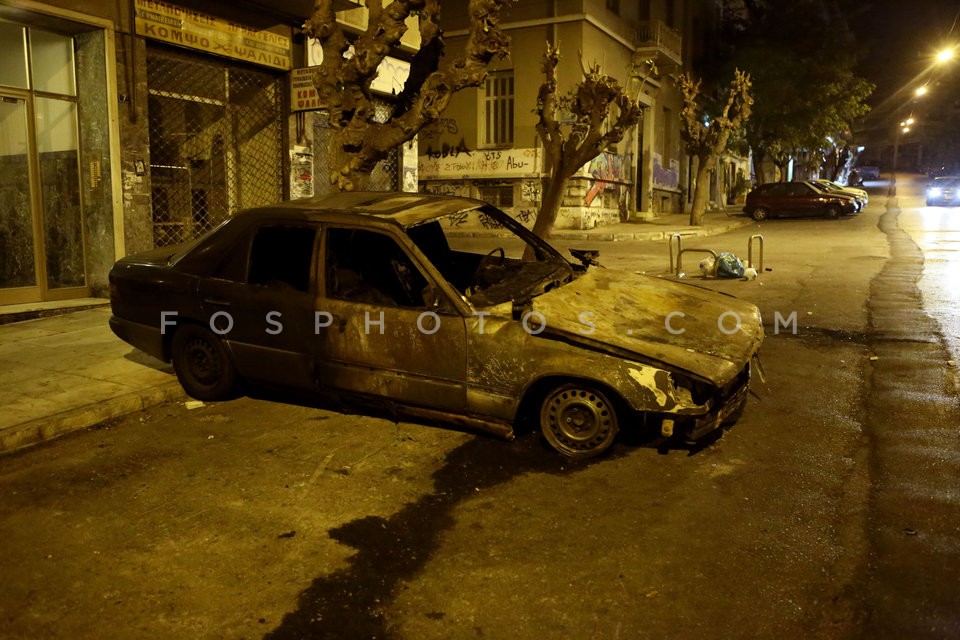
{"points": [[677, 265], [759, 265]]}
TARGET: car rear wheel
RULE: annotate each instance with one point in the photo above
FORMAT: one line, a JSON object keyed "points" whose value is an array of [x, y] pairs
{"points": [[578, 420], [832, 211], [760, 213], [202, 364]]}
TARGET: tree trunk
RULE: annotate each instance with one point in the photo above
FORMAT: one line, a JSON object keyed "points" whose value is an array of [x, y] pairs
{"points": [[758, 157], [549, 210], [701, 192]]}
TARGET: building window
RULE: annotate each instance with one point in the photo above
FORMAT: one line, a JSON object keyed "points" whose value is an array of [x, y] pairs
{"points": [[499, 195], [498, 110]]}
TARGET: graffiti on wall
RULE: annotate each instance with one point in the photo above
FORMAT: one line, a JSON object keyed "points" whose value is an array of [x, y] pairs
{"points": [[439, 126], [608, 171], [461, 163], [530, 190], [449, 188], [448, 150], [666, 176]]}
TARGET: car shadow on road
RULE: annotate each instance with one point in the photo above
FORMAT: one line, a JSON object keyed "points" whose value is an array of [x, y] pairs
{"points": [[352, 602]]}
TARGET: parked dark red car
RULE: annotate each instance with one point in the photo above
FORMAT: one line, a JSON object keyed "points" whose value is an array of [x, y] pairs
{"points": [[795, 199]]}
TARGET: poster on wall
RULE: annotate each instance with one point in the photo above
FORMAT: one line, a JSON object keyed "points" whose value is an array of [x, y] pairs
{"points": [[303, 94], [301, 175]]}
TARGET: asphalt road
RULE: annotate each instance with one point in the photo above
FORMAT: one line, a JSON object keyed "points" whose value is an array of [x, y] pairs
{"points": [[828, 511]]}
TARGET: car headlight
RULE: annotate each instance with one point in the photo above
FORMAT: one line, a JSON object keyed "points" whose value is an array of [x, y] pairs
{"points": [[934, 191]]}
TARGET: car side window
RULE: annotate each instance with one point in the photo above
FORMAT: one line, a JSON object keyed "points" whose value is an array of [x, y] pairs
{"points": [[799, 190], [370, 267], [281, 256], [777, 189]]}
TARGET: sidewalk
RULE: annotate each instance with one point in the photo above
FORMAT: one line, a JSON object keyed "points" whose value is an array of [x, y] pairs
{"points": [[65, 372], [645, 230], [68, 372]]}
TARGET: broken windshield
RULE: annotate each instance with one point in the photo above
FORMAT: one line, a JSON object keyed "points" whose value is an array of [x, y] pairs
{"points": [[481, 253]]}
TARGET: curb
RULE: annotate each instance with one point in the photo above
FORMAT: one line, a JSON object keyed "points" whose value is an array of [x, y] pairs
{"points": [[40, 430]]}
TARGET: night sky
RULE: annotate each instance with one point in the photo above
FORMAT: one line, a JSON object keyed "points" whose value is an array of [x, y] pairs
{"points": [[899, 38]]}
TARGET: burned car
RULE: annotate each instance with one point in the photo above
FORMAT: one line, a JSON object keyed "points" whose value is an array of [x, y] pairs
{"points": [[375, 297]]}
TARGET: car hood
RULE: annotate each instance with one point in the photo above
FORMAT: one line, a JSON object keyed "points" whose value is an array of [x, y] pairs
{"points": [[653, 320]]}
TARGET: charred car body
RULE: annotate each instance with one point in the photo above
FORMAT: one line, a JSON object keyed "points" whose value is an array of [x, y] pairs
{"points": [[370, 297]]}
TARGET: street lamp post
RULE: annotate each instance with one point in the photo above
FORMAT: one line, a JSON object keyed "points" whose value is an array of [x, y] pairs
{"points": [[902, 129]]}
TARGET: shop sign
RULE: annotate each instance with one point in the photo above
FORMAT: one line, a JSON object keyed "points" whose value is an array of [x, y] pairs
{"points": [[303, 94], [196, 30]]}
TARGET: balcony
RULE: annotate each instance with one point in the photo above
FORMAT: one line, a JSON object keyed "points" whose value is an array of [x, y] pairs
{"points": [[658, 42]]}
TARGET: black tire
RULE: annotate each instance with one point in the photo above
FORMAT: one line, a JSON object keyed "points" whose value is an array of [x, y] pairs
{"points": [[578, 420], [760, 213], [202, 364], [832, 211]]}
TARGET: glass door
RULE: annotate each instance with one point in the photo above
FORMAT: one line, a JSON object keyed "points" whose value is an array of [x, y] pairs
{"points": [[41, 217], [19, 277]]}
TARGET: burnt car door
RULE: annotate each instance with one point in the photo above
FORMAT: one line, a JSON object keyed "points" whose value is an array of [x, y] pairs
{"points": [[260, 301], [384, 327]]}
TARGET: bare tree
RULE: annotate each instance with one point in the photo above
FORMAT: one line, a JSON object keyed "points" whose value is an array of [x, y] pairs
{"points": [[707, 139], [601, 112], [343, 80]]}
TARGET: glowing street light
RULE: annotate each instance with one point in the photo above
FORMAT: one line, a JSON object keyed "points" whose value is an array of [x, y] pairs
{"points": [[944, 54], [920, 91]]}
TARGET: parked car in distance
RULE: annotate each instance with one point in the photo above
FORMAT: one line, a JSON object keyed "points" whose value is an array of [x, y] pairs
{"points": [[798, 198], [860, 195], [370, 298], [869, 172], [944, 191]]}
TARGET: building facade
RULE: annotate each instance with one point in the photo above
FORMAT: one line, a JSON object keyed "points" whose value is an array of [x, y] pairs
{"points": [[486, 144], [126, 126]]}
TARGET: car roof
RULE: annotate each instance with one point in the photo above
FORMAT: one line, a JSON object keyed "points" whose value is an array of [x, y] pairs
{"points": [[405, 209]]}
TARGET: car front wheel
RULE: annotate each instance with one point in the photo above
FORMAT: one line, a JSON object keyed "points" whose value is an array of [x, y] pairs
{"points": [[202, 364], [578, 420], [760, 213]]}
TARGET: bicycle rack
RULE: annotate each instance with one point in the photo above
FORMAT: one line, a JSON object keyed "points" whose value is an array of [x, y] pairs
{"points": [[759, 265], [677, 264]]}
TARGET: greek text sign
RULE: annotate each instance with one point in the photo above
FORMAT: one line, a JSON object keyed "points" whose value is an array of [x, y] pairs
{"points": [[303, 95], [196, 30], [458, 163]]}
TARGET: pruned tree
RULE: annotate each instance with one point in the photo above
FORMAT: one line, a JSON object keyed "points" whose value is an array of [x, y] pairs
{"points": [[706, 134], [599, 113], [343, 80]]}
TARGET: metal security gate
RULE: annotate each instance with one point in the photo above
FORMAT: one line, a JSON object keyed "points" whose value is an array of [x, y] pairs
{"points": [[216, 142], [384, 177]]}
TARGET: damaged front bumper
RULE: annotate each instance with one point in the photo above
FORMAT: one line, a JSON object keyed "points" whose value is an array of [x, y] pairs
{"points": [[723, 410]]}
